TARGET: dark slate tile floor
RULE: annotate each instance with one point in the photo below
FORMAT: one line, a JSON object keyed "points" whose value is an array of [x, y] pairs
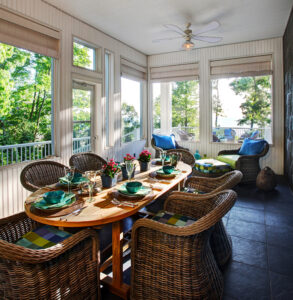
{"points": [[261, 227]]}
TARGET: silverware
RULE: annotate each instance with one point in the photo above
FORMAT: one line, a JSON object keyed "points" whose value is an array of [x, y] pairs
{"points": [[73, 213], [122, 203]]}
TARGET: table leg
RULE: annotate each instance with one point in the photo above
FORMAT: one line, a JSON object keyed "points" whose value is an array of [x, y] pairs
{"points": [[115, 284]]}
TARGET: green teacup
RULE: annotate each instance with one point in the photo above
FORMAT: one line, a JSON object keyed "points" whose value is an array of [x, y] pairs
{"points": [[133, 187], [168, 169], [53, 197]]}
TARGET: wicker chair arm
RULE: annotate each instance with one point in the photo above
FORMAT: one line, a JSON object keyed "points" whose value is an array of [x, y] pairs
{"points": [[18, 253], [229, 152], [202, 224]]}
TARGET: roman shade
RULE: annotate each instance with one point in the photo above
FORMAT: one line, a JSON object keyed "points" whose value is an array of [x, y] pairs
{"points": [[24, 33], [132, 70], [175, 73], [242, 67]]}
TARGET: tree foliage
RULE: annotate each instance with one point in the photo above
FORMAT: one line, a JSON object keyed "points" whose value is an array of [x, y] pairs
{"points": [[25, 96], [81, 57], [256, 109], [185, 104], [157, 113], [130, 122]]}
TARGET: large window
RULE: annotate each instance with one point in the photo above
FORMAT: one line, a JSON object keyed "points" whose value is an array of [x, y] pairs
{"points": [[131, 109], [108, 95], [25, 105], [176, 109], [242, 99]]}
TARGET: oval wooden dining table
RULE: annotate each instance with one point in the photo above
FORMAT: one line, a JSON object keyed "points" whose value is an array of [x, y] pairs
{"points": [[101, 211]]}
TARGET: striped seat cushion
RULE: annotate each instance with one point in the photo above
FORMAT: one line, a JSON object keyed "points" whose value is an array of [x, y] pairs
{"points": [[43, 237], [192, 191], [170, 218]]}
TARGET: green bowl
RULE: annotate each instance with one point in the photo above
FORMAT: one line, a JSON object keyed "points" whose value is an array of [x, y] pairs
{"points": [[133, 187], [54, 197], [168, 169]]}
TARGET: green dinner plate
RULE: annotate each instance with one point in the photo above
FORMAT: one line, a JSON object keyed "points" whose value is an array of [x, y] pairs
{"points": [[68, 199], [64, 181], [144, 190], [161, 173]]}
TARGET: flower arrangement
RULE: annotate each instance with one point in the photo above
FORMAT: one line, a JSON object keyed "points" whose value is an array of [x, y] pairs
{"points": [[145, 156], [111, 168], [128, 157]]}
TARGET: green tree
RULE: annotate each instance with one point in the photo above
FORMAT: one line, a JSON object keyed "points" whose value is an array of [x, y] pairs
{"points": [[130, 122], [81, 57], [25, 96], [185, 105], [256, 91], [217, 103]]}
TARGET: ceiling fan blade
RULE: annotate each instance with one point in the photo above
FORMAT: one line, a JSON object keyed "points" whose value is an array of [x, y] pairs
{"points": [[174, 28], [209, 39], [211, 26], [166, 39]]}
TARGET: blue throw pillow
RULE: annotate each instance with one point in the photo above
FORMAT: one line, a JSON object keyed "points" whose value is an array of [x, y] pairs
{"points": [[252, 147], [165, 141]]}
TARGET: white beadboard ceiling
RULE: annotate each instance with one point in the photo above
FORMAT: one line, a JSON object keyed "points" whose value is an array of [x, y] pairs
{"points": [[138, 22]]}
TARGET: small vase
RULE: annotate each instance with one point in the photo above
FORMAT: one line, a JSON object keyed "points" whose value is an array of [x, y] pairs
{"points": [[144, 166], [107, 181], [124, 172]]}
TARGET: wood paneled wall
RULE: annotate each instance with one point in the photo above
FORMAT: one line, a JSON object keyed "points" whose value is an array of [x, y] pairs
{"points": [[275, 158], [12, 195]]}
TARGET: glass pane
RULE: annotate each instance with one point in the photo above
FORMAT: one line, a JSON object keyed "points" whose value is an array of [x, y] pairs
{"points": [[25, 104], [180, 103], [131, 110], [83, 56], [81, 113], [242, 108], [107, 95]]}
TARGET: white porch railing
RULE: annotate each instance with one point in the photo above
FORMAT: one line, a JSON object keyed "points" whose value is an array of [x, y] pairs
{"points": [[17, 153], [81, 144]]}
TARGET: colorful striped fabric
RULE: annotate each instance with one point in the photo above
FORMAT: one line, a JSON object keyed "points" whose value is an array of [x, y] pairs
{"points": [[43, 237], [170, 218]]}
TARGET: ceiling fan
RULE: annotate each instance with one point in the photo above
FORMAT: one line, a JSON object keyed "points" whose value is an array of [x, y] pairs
{"points": [[188, 35]]}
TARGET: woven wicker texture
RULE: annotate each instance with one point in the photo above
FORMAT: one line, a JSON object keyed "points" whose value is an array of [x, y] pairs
{"points": [[214, 185], [187, 156], [86, 162], [158, 149], [247, 164], [220, 241], [170, 262], [41, 173], [68, 270]]}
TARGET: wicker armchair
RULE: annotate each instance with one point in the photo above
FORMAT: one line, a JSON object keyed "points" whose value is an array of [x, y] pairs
{"points": [[41, 173], [214, 185], [86, 161], [186, 156], [68, 270], [158, 149], [170, 262], [247, 164]]}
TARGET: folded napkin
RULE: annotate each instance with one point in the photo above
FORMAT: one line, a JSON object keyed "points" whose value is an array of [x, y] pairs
{"points": [[78, 178]]}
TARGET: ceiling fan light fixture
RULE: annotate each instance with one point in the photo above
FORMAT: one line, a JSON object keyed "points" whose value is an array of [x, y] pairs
{"points": [[188, 45]]}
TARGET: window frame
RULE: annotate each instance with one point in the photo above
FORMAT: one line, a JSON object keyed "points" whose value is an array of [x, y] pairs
{"points": [[108, 136], [213, 77], [97, 63], [143, 85], [199, 103]]}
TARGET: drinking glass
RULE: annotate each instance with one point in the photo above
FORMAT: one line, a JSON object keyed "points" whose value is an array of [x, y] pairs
{"points": [[163, 157], [129, 169], [69, 175], [91, 176]]}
